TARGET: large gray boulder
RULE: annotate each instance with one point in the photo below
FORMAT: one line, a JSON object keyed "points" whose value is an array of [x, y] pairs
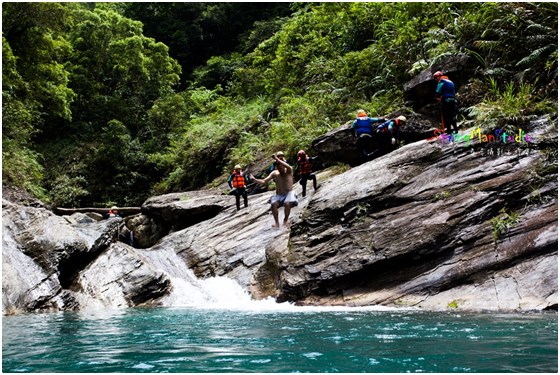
{"points": [[420, 90], [181, 210], [47, 260], [233, 242], [430, 225]]}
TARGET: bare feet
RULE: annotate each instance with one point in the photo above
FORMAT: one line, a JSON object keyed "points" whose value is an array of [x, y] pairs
{"points": [[276, 225], [286, 224]]}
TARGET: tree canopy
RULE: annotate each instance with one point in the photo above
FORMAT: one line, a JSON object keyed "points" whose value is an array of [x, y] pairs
{"points": [[108, 103]]}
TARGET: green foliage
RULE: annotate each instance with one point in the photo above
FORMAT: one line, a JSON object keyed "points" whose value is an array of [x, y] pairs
{"points": [[21, 168], [453, 304], [248, 147], [506, 107], [20, 165], [508, 37], [441, 196], [68, 191], [340, 168], [218, 70], [35, 32], [196, 32], [503, 222], [92, 112], [211, 141], [131, 71]]}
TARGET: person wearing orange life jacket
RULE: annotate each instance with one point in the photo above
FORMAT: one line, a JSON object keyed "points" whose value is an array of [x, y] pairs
{"points": [[238, 182], [363, 129], [387, 133], [113, 212], [305, 169], [445, 94]]}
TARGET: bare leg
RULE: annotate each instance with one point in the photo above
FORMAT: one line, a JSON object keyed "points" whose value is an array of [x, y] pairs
{"points": [[287, 209], [275, 214]]}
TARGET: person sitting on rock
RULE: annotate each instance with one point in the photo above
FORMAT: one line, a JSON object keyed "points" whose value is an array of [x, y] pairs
{"points": [[238, 182], [305, 169], [113, 212], [363, 130], [387, 134]]}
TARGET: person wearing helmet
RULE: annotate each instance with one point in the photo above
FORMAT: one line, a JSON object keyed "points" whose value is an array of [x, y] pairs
{"points": [[445, 94], [387, 134], [113, 212], [305, 169], [285, 196], [363, 129], [280, 155], [238, 182]]}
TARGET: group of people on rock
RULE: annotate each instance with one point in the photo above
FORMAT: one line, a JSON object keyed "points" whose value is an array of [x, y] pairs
{"points": [[374, 136], [283, 175]]}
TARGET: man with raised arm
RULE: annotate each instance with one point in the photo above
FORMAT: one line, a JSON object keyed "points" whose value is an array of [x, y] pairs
{"points": [[285, 196]]}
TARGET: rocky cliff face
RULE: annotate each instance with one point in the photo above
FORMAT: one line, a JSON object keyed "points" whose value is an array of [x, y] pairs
{"points": [[434, 224]]}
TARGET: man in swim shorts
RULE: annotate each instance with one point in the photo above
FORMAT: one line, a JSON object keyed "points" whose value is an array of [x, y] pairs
{"points": [[285, 196]]}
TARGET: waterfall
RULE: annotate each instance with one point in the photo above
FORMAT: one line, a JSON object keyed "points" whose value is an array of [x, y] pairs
{"points": [[190, 291], [220, 292]]}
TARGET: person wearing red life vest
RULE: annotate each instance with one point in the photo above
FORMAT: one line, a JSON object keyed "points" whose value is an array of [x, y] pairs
{"points": [[113, 212], [445, 94], [238, 182], [305, 169]]}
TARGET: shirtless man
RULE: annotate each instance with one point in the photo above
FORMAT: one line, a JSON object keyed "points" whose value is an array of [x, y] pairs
{"points": [[285, 196]]}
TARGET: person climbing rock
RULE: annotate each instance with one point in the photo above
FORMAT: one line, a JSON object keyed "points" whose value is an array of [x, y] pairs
{"points": [[305, 170], [285, 195], [445, 94], [363, 129], [238, 182], [386, 134]]}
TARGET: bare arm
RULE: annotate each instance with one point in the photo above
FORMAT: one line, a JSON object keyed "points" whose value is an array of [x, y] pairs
{"points": [[263, 181], [288, 166]]}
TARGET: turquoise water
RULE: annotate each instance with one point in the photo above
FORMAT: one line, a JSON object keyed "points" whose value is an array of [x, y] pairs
{"points": [[300, 340]]}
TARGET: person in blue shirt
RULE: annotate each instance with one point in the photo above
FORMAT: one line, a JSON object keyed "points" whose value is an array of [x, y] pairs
{"points": [[445, 94], [387, 134], [363, 129]]}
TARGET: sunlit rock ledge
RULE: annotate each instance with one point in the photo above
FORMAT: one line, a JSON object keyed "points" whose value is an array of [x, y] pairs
{"points": [[431, 226]]}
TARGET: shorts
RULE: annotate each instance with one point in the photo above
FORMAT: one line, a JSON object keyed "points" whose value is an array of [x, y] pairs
{"points": [[282, 199]]}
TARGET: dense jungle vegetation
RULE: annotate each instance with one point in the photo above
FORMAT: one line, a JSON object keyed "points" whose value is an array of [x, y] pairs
{"points": [[109, 103]]}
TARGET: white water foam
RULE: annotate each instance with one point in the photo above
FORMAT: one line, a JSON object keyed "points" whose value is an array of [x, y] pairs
{"points": [[223, 293], [220, 292]]}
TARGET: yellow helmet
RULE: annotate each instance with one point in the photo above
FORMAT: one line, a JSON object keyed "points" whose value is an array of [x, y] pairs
{"points": [[237, 166], [401, 118], [361, 113]]}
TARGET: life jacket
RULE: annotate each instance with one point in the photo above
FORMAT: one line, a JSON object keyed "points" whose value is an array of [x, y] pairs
{"points": [[447, 88], [385, 126], [238, 180], [305, 166], [363, 126]]}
